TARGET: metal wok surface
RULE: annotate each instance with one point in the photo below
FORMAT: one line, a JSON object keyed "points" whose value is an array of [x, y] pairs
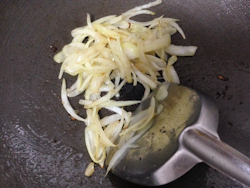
{"points": [[40, 146]]}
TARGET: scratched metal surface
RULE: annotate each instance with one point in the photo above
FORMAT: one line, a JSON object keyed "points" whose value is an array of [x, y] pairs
{"points": [[41, 147]]}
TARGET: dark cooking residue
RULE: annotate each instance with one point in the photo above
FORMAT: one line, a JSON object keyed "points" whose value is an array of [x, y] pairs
{"points": [[53, 48], [222, 78], [223, 93]]}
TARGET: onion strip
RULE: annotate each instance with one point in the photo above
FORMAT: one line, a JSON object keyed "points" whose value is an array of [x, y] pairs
{"points": [[66, 103]]}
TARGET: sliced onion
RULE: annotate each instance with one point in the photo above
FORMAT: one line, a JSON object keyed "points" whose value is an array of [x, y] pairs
{"points": [[89, 21], [147, 80], [118, 103], [105, 31], [90, 169], [157, 43], [146, 87], [138, 116], [66, 103], [110, 119], [174, 75], [104, 55], [181, 50], [131, 50], [142, 122], [59, 57], [115, 109], [162, 93], [107, 97], [159, 109], [104, 19], [136, 9], [122, 151]]}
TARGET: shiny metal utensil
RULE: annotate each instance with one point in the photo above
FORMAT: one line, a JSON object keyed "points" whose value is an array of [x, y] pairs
{"points": [[183, 134]]}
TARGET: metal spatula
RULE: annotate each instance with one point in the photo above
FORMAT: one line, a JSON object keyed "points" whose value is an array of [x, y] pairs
{"points": [[183, 134]]}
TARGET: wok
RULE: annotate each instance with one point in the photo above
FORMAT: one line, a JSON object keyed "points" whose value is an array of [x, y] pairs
{"points": [[40, 146]]}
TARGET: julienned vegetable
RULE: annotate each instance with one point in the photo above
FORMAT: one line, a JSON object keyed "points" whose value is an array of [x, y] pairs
{"points": [[105, 55]]}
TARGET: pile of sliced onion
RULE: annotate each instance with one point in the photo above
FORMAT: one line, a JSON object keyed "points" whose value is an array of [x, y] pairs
{"points": [[105, 55]]}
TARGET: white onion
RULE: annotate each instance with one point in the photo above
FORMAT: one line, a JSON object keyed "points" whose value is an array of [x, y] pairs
{"points": [[106, 97], [146, 87], [143, 121], [138, 8], [157, 43], [66, 103], [129, 144], [59, 57], [115, 109], [162, 93], [105, 55], [138, 116], [130, 50], [147, 80], [118, 103], [105, 19], [90, 169], [181, 50], [110, 119], [159, 109]]}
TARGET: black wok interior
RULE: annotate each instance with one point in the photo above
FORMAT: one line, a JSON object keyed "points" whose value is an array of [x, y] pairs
{"points": [[40, 146]]}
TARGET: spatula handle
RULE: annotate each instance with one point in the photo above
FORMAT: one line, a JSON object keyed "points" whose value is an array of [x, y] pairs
{"points": [[218, 155]]}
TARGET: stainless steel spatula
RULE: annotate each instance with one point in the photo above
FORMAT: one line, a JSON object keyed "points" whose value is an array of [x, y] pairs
{"points": [[183, 134]]}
